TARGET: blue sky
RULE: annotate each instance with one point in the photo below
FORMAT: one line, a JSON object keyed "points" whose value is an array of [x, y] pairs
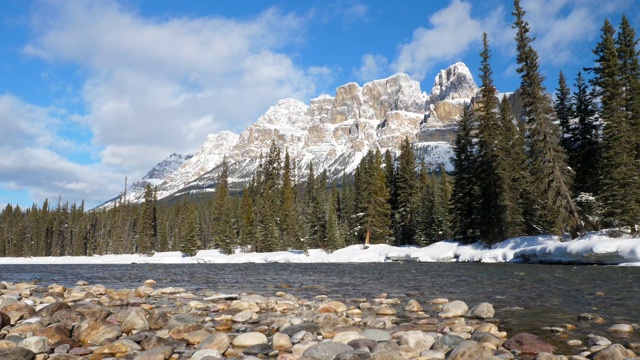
{"points": [[92, 92]]}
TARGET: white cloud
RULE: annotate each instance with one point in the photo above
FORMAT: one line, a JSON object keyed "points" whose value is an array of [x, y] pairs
{"points": [[157, 86], [168, 83], [372, 67], [561, 27], [452, 32]]}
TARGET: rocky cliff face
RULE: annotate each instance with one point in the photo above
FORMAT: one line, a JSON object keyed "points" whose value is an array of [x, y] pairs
{"points": [[335, 132]]}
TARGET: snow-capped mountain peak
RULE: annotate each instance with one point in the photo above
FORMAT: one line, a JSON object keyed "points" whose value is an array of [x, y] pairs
{"points": [[335, 132]]}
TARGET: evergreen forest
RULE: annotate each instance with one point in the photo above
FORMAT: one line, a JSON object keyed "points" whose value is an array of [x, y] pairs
{"points": [[532, 163]]}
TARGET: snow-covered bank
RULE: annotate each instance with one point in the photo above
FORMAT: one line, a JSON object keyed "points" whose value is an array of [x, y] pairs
{"points": [[595, 248]]}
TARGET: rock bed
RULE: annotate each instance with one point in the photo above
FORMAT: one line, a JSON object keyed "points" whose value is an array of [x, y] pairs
{"points": [[94, 322]]}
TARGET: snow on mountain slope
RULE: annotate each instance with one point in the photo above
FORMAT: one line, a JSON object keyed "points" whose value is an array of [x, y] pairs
{"points": [[335, 132]]}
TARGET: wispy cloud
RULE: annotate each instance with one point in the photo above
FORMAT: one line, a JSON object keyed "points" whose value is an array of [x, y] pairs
{"points": [[157, 86]]}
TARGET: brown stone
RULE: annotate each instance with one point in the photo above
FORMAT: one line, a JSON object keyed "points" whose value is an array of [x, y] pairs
{"points": [[54, 333], [94, 332], [51, 309], [528, 344]]}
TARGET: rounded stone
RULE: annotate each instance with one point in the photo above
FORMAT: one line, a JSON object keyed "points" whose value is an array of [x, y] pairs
{"points": [[325, 351], [377, 335], [249, 339], [217, 341], [17, 353], [528, 344], [95, 331], [385, 310], [413, 306], [417, 339], [621, 328], [453, 309], [346, 336], [483, 310], [37, 344], [258, 349], [282, 342], [468, 350], [201, 354]]}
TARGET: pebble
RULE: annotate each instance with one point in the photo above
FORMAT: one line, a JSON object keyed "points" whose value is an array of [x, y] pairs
{"points": [[172, 323]]}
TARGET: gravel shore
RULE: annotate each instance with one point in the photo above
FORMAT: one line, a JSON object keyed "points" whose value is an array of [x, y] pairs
{"points": [[148, 323]]}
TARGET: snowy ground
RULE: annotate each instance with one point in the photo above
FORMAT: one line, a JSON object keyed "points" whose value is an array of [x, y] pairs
{"points": [[594, 248]]}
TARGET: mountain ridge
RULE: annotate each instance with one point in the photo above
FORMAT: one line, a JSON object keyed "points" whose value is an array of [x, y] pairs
{"points": [[331, 132]]}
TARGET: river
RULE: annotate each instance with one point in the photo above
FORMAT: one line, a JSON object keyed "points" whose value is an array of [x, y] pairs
{"points": [[526, 297]]}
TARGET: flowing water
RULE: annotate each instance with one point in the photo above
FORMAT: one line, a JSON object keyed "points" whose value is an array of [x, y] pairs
{"points": [[526, 297]]}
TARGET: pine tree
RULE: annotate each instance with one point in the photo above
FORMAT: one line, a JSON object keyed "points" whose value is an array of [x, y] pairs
{"points": [[406, 194], [147, 228], [492, 207], [549, 171], [618, 171], [247, 225], [513, 168], [334, 239], [585, 156], [464, 197], [191, 238], [372, 200], [628, 57], [224, 234], [564, 111]]}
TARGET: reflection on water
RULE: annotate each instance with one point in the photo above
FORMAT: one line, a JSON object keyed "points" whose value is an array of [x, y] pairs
{"points": [[526, 297]]}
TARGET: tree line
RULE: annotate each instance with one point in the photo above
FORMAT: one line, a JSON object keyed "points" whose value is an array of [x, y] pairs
{"points": [[560, 166], [523, 165]]}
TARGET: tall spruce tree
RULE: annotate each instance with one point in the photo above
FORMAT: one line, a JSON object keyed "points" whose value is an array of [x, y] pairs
{"points": [[550, 175], [372, 200], [406, 196], [224, 233], [618, 171], [628, 57], [147, 227], [584, 157], [492, 182], [564, 112], [464, 197]]}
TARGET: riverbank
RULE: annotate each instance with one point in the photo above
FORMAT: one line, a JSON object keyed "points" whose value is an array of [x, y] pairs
{"points": [[594, 248], [147, 323]]}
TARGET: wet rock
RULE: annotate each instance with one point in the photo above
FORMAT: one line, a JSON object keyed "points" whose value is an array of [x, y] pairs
{"points": [[483, 337], [453, 309], [413, 306], [528, 344], [620, 328], [591, 317], [469, 350], [613, 352], [447, 342], [481, 311], [325, 351], [594, 340]]}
